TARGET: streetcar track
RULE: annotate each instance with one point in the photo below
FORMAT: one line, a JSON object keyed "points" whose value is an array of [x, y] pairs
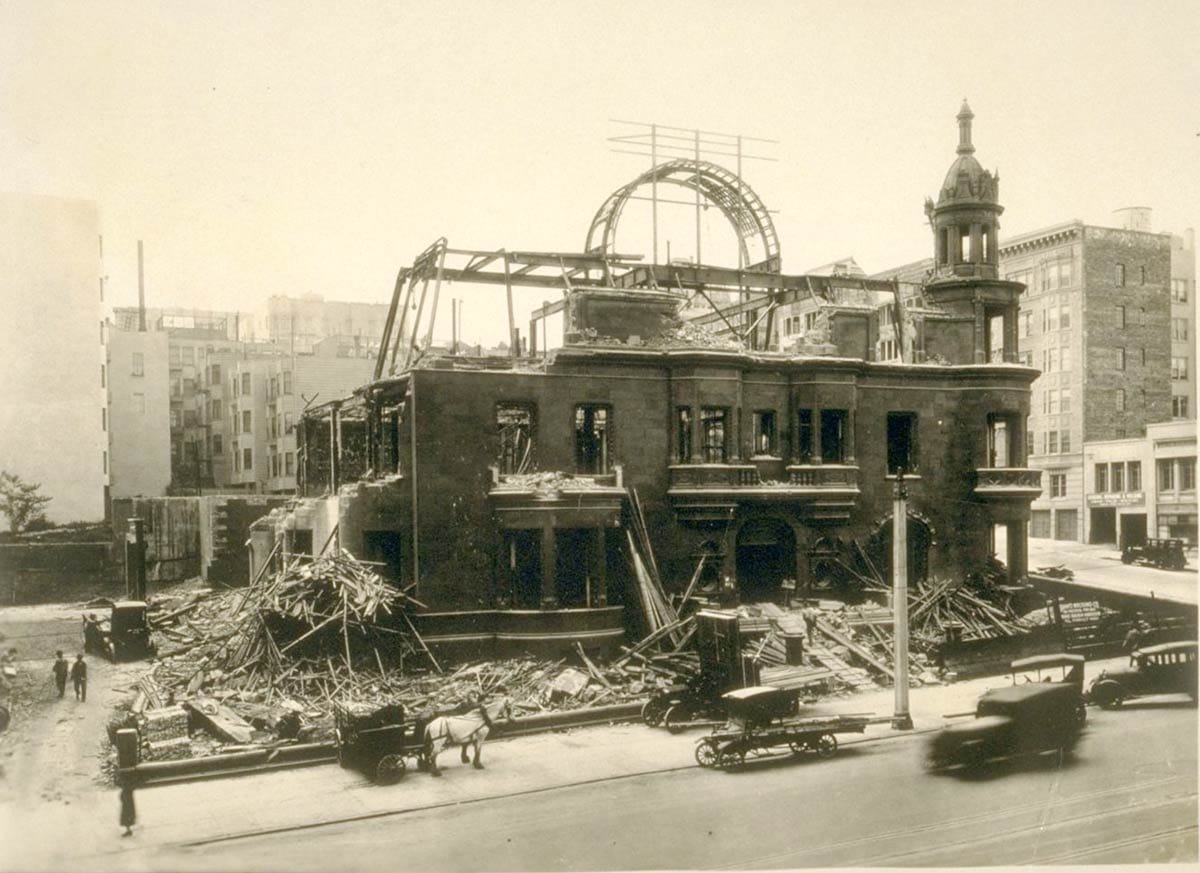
{"points": [[933, 827], [1127, 842], [886, 860]]}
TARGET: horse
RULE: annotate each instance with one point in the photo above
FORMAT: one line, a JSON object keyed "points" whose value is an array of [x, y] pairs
{"points": [[469, 729]]}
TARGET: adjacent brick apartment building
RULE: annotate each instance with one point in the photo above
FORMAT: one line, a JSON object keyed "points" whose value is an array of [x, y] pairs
{"points": [[503, 487], [1097, 321]]}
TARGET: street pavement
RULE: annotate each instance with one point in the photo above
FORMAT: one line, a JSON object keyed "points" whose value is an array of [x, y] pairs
{"points": [[626, 796], [1100, 566]]}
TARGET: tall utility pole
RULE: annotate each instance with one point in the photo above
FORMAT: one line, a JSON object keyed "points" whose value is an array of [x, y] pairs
{"points": [[901, 719]]}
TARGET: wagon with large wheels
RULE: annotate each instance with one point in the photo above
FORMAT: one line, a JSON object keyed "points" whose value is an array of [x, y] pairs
{"points": [[377, 741], [765, 721]]}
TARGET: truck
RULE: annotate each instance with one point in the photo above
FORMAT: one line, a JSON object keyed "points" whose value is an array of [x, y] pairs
{"points": [[124, 635]]}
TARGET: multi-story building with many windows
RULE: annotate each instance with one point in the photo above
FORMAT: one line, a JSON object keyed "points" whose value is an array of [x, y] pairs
{"points": [[1183, 325], [253, 397], [200, 342], [1096, 320]]}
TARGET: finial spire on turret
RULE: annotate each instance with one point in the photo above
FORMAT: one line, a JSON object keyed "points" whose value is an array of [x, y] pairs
{"points": [[964, 129]]}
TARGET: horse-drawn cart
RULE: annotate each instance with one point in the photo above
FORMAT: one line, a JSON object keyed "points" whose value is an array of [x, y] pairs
{"points": [[377, 742], [763, 720]]}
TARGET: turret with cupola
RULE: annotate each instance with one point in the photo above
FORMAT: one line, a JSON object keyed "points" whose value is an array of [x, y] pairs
{"points": [[965, 281]]}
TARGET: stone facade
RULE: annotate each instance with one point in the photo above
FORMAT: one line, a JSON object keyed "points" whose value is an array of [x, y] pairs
{"points": [[507, 489]]}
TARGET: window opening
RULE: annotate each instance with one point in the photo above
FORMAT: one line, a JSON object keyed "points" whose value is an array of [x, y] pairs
{"points": [[713, 431], [902, 442], [514, 426], [833, 429], [591, 439]]}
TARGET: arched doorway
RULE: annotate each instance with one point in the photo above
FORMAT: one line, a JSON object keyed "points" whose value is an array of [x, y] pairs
{"points": [[920, 539], [766, 555]]}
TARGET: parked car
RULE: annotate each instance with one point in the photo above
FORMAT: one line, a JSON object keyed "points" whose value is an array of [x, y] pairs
{"points": [[1165, 553], [1168, 668], [123, 636], [1019, 720]]}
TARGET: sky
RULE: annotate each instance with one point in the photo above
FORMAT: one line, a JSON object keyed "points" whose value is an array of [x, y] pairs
{"points": [[288, 147]]}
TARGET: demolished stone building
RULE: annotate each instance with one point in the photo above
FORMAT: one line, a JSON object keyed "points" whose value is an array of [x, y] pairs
{"points": [[501, 488]]}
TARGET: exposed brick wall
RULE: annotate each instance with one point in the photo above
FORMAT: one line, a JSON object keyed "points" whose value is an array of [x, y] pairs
{"points": [[1147, 326]]}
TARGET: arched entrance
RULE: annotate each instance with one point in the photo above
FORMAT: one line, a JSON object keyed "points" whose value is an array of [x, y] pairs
{"points": [[766, 555], [920, 539]]}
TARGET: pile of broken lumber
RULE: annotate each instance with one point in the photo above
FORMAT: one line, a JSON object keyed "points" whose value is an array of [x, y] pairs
{"points": [[657, 610]]}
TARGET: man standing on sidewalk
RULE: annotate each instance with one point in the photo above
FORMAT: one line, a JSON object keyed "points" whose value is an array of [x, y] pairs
{"points": [[61, 669], [79, 678]]}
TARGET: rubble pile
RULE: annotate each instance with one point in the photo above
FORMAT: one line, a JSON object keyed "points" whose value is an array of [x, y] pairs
{"points": [[690, 335], [1057, 571], [976, 607], [548, 482], [241, 669]]}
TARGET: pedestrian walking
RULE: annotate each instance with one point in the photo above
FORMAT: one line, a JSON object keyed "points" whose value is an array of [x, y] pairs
{"points": [[79, 678], [1133, 640], [128, 810], [61, 669]]}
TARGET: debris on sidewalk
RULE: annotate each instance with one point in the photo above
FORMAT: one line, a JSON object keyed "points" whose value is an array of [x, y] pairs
{"points": [[1058, 571]]}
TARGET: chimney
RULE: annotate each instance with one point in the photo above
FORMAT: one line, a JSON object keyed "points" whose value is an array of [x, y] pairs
{"points": [[141, 292]]}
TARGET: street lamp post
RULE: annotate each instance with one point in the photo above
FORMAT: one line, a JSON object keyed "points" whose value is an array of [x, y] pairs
{"points": [[901, 719]]}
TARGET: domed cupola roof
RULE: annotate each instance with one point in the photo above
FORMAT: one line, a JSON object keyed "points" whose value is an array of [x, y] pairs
{"points": [[967, 181]]}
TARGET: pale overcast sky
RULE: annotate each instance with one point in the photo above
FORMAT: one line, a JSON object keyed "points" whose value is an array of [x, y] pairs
{"points": [[292, 147]]}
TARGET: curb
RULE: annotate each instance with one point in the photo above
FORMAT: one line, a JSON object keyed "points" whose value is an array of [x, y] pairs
{"points": [[310, 754], [407, 810]]}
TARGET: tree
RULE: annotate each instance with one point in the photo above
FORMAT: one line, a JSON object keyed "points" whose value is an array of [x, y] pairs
{"points": [[21, 502]]}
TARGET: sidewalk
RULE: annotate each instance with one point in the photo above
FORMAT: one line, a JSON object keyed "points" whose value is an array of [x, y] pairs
{"points": [[201, 811]]}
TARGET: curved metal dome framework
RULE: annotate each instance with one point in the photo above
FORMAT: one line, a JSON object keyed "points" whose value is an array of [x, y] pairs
{"points": [[737, 201]]}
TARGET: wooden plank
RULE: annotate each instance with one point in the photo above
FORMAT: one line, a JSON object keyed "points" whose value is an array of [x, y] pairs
{"points": [[854, 647]]}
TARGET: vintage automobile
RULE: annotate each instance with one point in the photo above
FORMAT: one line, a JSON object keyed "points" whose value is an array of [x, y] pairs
{"points": [[675, 706], [1046, 668], [123, 635], [763, 720], [1165, 553], [1168, 668], [1018, 720]]}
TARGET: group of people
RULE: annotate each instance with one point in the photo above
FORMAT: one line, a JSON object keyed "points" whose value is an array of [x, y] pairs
{"points": [[77, 673]]}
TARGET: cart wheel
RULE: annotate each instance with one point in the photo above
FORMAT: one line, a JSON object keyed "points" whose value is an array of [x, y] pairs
{"points": [[731, 757], [827, 745], [653, 711], [707, 754], [676, 719], [390, 769], [797, 747]]}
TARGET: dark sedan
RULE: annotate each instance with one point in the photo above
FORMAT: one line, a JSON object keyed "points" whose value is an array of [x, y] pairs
{"points": [[1169, 668]]}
